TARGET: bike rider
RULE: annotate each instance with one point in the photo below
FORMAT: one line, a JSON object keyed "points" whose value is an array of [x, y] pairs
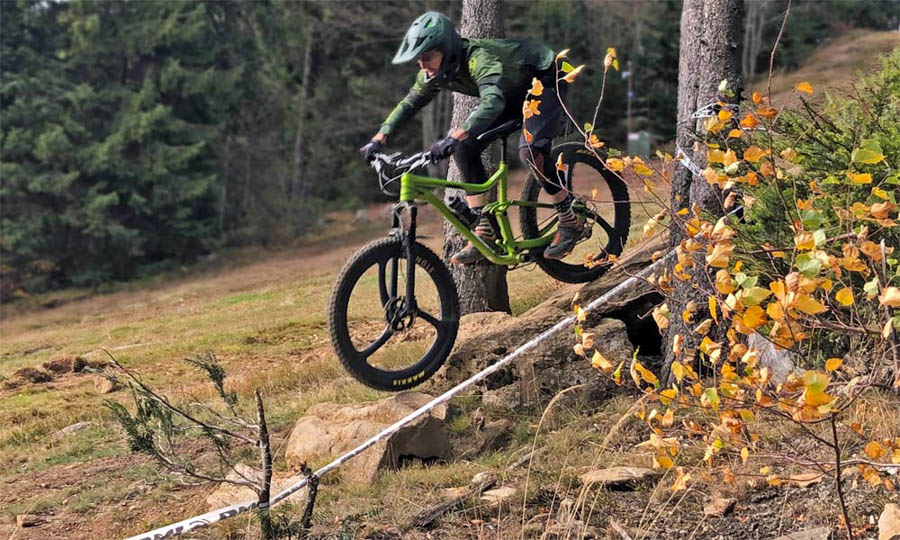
{"points": [[500, 73]]}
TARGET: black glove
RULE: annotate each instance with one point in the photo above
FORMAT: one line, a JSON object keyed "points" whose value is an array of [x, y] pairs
{"points": [[443, 148], [369, 150]]}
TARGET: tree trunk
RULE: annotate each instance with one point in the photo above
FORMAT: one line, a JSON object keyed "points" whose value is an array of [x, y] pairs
{"points": [[300, 186], [436, 124], [481, 287], [265, 458], [754, 24], [709, 53]]}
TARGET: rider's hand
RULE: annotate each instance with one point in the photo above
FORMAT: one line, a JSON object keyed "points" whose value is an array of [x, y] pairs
{"points": [[369, 150], [443, 148]]}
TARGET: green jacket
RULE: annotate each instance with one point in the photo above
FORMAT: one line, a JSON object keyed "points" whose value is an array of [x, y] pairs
{"points": [[493, 69]]}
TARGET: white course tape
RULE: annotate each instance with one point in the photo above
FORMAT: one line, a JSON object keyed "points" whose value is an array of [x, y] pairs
{"points": [[208, 518]]}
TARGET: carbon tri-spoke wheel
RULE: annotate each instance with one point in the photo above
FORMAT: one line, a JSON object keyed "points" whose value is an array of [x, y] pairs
{"points": [[602, 204], [384, 338]]}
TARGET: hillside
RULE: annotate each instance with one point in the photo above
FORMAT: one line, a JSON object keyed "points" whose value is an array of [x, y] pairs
{"points": [[64, 460]]}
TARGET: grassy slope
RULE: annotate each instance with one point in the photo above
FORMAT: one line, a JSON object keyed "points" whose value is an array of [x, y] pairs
{"points": [[264, 320]]}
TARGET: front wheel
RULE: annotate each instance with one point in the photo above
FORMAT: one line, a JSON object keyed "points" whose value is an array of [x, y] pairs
{"points": [[384, 338], [601, 203]]}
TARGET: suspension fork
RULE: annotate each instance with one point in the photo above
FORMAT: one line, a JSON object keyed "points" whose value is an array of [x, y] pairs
{"points": [[408, 240]]}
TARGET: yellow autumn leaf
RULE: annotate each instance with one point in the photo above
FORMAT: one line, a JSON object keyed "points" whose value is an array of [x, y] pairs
{"points": [[712, 308], [560, 166], [757, 98], [754, 154], [580, 314], [734, 134], [601, 363], [587, 340], [724, 283], [527, 134], [749, 122], [844, 296], [678, 370], [767, 112], [720, 255], [745, 454], [562, 54], [754, 317], [809, 305], [875, 450], [890, 296], [531, 107], [537, 87], [860, 178], [832, 364], [729, 158], [815, 383], [645, 373], [715, 155], [805, 241], [642, 169], [667, 395], [663, 462], [570, 76], [615, 164], [595, 142], [725, 115], [804, 87]]}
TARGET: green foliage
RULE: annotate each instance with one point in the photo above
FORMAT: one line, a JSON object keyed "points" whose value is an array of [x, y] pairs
{"points": [[841, 187]]}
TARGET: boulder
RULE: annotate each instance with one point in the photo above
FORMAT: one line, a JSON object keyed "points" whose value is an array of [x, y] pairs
{"points": [[819, 533], [227, 494], [106, 385], [719, 506], [889, 523], [498, 496], [27, 520], [329, 430], [68, 430], [618, 477]]}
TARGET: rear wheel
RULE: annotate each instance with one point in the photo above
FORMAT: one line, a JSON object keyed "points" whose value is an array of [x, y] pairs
{"points": [[601, 202], [385, 339]]}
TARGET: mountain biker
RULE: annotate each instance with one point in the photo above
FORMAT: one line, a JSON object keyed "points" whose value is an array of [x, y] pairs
{"points": [[499, 72]]}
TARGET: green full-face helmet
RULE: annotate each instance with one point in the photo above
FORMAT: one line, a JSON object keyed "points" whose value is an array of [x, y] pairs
{"points": [[431, 31]]}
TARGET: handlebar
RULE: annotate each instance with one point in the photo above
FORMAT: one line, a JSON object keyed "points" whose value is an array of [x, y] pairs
{"points": [[390, 167]]}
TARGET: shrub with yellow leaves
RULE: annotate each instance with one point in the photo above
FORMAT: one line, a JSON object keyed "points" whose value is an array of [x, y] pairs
{"points": [[811, 266]]}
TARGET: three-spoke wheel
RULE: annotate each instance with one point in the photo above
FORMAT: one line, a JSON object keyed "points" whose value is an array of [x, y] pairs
{"points": [[602, 204], [385, 338]]}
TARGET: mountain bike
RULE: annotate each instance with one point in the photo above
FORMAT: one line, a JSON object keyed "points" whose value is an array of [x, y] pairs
{"points": [[394, 311]]}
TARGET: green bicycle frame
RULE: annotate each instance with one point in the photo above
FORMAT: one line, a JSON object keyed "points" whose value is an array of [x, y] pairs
{"points": [[414, 187]]}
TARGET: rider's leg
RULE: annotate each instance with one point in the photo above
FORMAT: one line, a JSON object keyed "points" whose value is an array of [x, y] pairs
{"points": [[468, 159], [543, 128]]}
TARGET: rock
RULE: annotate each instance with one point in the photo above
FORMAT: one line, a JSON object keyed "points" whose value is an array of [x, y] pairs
{"points": [[804, 480], [106, 385], [330, 429], [719, 506], [27, 520], [570, 530], [484, 477], [65, 364], [68, 430], [454, 492], [33, 375], [778, 360], [227, 494], [498, 496], [820, 533], [889, 522], [619, 476], [495, 435], [506, 398]]}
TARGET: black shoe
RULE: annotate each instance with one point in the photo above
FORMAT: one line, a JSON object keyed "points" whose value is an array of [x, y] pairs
{"points": [[564, 241]]}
